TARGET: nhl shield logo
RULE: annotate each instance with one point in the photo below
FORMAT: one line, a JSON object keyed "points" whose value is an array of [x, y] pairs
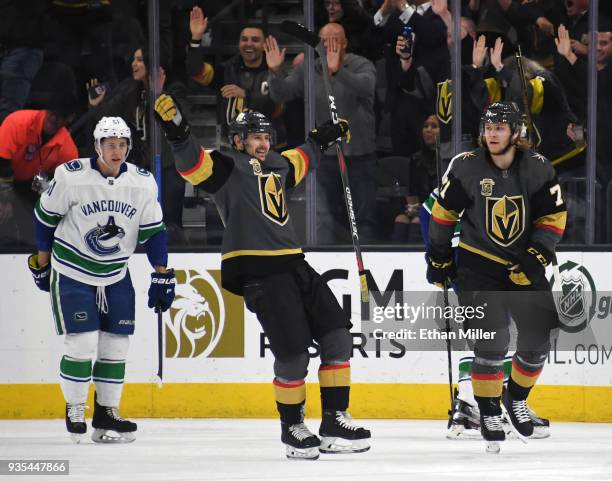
{"points": [[572, 301], [444, 102], [273, 204], [486, 187], [505, 218]]}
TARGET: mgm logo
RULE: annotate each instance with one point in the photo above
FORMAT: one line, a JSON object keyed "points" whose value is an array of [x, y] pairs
{"points": [[205, 319]]}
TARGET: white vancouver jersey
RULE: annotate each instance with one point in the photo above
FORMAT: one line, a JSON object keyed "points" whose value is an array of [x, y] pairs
{"points": [[99, 220]]}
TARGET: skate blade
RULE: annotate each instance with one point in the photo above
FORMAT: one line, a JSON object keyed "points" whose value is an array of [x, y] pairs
{"points": [[331, 445], [107, 436], [541, 432], [307, 454], [509, 428], [458, 432], [493, 447], [76, 438]]}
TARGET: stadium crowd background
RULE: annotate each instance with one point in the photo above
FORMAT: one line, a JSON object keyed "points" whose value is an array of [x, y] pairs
{"points": [[65, 64]]}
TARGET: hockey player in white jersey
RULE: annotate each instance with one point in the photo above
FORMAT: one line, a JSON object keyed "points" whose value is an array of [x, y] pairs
{"points": [[88, 223]]}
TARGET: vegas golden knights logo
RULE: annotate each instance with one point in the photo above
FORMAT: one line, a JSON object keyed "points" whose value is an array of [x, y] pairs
{"points": [[505, 218], [272, 197], [205, 319], [444, 102]]}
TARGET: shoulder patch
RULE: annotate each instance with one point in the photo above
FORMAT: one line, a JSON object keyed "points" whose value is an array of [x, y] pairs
{"points": [[73, 166], [142, 171], [468, 154]]}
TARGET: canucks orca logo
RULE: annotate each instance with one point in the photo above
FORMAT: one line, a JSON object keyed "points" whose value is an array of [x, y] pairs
{"points": [[104, 239]]}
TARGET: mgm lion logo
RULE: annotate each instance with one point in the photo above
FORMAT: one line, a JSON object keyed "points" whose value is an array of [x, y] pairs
{"points": [[205, 320]]}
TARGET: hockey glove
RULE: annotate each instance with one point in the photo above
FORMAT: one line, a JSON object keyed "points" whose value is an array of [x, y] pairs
{"points": [[440, 269], [329, 134], [531, 265], [41, 275], [161, 291], [170, 118]]}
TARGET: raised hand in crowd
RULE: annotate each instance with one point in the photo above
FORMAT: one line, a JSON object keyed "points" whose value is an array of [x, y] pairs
{"points": [[564, 46], [578, 47], [334, 54], [198, 24], [405, 57], [479, 52], [274, 55], [94, 87], [389, 5], [504, 4], [546, 26], [496, 54]]}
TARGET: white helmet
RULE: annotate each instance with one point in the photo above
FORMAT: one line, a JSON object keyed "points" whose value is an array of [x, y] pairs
{"points": [[111, 127]]}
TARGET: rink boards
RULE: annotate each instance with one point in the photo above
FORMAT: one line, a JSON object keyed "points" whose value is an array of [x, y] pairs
{"points": [[217, 364]]}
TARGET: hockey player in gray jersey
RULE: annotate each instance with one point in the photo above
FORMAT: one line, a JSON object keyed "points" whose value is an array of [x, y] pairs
{"points": [[88, 223], [513, 217], [262, 261]]}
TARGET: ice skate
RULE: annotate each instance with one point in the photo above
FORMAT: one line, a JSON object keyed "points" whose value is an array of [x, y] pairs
{"points": [[464, 420], [75, 421], [541, 426], [492, 430], [109, 427], [340, 435], [300, 443], [518, 414]]}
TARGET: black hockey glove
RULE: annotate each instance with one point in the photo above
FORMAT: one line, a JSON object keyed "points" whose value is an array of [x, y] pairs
{"points": [[41, 275], [329, 134], [531, 264], [161, 291], [440, 269], [170, 118]]}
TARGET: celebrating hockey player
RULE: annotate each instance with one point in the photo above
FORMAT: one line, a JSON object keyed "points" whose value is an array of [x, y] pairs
{"points": [[513, 217], [88, 223], [263, 261]]}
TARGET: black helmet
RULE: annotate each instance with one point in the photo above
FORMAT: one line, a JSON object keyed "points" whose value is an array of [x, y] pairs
{"points": [[251, 122], [502, 113]]}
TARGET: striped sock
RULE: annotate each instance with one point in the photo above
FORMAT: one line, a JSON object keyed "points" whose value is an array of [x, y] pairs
{"points": [[335, 385], [75, 375], [290, 398], [523, 377], [108, 376], [487, 381]]}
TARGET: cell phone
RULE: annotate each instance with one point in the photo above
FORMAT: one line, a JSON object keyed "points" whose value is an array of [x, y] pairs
{"points": [[408, 34], [97, 90]]}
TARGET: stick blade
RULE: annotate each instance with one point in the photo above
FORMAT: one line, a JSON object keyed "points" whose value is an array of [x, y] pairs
{"points": [[300, 32]]}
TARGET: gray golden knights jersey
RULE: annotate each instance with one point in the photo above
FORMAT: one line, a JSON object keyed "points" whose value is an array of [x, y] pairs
{"points": [[259, 238], [502, 212]]}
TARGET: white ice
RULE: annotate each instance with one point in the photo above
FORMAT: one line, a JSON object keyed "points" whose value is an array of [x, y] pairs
{"points": [[250, 449]]}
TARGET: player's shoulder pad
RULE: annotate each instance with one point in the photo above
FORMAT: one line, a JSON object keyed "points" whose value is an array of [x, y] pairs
{"points": [[141, 175], [539, 165], [75, 165], [460, 162]]}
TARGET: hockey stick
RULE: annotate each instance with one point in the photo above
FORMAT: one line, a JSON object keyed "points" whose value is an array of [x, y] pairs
{"points": [[160, 348], [449, 351], [532, 131], [310, 38]]}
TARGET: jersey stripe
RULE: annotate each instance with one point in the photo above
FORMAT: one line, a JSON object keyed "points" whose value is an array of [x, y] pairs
{"points": [[144, 234], [201, 171], [48, 218], [92, 267]]}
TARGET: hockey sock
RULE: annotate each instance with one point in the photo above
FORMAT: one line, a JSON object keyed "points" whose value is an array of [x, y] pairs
{"points": [[524, 376], [335, 384], [507, 368], [290, 399], [464, 384], [109, 368], [487, 381], [75, 375]]}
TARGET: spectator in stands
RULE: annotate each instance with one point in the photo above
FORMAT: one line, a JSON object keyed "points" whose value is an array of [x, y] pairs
{"points": [[198, 69], [572, 71], [129, 100], [430, 52], [242, 79], [353, 80], [32, 144], [356, 21], [21, 54], [422, 180]]}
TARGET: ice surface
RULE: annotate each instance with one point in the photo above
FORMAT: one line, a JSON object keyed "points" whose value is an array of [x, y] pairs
{"points": [[250, 449]]}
